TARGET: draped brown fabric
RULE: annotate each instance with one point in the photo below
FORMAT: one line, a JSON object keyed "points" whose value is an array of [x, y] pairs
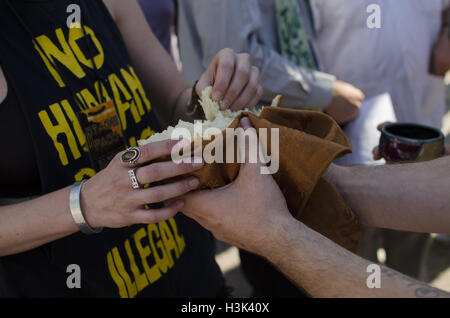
{"points": [[308, 142]]}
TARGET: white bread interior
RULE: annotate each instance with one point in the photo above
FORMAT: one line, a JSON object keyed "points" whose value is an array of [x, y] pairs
{"points": [[215, 117]]}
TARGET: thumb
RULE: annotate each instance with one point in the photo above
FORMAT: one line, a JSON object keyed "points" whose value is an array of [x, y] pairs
{"points": [[251, 148], [381, 126]]}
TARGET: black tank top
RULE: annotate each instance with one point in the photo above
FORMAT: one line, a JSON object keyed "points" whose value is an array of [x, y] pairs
{"points": [[18, 177], [173, 258]]}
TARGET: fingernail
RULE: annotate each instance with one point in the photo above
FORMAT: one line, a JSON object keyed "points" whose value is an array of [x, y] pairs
{"points": [[216, 96], [224, 104], [193, 183]]}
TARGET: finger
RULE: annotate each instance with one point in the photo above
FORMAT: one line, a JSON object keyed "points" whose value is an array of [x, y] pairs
{"points": [[207, 79], [256, 98], [249, 92], [245, 123], [144, 216], [248, 146], [226, 60], [381, 126], [376, 153], [447, 150], [165, 170], [154, 150], [164, 192], [193, 200], [239, 80]]}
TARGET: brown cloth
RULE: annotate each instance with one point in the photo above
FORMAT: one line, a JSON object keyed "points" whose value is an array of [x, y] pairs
{"points": [[309, 142]]}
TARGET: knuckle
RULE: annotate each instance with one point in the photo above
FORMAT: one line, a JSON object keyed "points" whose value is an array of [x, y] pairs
{"points": [[232, 93], [146, 150], [152, 173], [117, 181], [253, 88], [155, 196], [226, 64], [227, 51], [260, 91], [246, 57], [183, 187], [255, 70], [117, 159], [150, 218], [243, 72]]}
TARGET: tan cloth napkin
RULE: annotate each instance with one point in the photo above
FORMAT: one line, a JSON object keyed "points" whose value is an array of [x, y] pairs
{"points": [[309, 142]]}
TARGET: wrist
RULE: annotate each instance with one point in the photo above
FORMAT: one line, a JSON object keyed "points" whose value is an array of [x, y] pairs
{"points": [[87, 205], [276, 237], [335, 174]]}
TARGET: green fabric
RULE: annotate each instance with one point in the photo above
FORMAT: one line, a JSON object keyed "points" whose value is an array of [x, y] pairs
{"points": [[292, 33]]}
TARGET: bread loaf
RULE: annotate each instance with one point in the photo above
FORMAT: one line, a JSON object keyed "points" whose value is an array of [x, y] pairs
{"points": [[215, 118]]}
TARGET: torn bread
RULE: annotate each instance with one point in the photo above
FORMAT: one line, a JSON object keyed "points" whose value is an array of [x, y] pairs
{"points": [[215, 118]]}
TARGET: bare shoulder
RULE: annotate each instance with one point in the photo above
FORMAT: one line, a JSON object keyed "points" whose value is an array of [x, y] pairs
{"points": [[3, 86]]}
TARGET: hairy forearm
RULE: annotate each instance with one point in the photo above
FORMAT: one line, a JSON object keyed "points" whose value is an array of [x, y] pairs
{"points": [[325, 269], [410, 197], [30, 224]]}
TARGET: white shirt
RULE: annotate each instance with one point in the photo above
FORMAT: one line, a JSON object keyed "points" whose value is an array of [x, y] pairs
{"points": [[206, 26], [394, 58]]}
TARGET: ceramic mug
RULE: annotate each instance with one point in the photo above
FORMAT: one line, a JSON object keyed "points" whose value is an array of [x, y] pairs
{"points": [[403, 142]]}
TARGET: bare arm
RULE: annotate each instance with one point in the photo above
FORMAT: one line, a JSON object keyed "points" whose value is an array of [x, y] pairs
{"points": [[30, 224], [251, 213], [232, 76], [167, 89], [410, 197], [325, 269], [107, 199]]}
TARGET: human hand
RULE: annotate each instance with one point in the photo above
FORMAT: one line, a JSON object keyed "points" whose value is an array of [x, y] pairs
{"points": [[440, 57], [236, 83], [376, 151], [108, 199], [244, 213], [346, 102]]}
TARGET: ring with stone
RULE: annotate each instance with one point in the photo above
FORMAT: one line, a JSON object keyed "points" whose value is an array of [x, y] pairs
{"points": [[131, 155], [134, 181]]}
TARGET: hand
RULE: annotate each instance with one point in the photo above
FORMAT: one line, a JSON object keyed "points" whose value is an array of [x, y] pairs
{"points": [[376, 151], [244, 213], [440, 57], [346, 102], [108, 199], [235, 81]]}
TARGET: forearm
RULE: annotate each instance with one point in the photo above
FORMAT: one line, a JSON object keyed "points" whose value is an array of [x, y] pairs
{"points": [[410, 197], [30, 224], [325, 269], [165, 86]]}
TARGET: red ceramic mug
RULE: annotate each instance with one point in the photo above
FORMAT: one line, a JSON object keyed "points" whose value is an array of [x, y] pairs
{"points": [[410, 142]]}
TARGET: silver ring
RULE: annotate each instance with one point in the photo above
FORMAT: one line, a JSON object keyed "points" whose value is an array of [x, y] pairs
{"points": [[131, 155], [134, 181]]}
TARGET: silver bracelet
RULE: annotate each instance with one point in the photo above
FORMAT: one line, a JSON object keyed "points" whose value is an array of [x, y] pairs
{"points": [[77, 214]]}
